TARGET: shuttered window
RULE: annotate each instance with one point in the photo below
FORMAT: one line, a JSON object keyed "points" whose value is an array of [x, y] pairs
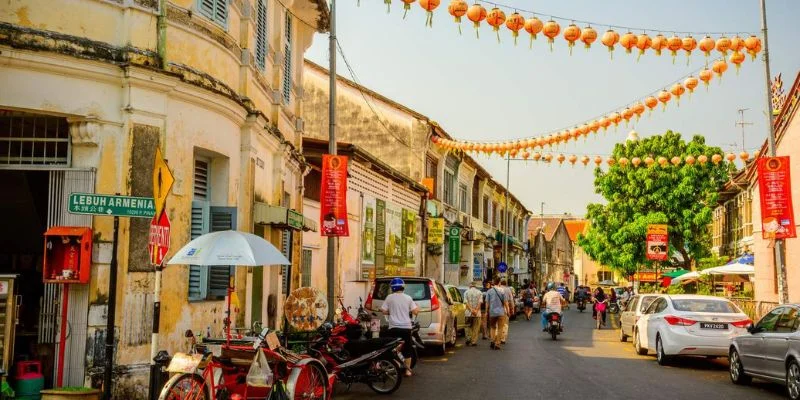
{"points": [[215, 10], [307, 255], [287, 60], [286, 270], [201, 179], [261, 35]]}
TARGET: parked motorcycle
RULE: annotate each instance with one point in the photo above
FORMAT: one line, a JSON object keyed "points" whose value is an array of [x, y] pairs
{"points": [[554, 325], [378, 363], [613, 308]]}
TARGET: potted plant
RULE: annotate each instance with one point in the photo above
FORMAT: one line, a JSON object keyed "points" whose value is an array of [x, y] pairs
{"points": [[71, 393]]}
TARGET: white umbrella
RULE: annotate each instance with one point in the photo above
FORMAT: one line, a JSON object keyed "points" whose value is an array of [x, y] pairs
{"points": [[731, 269], [229, 248], [685, 277]]}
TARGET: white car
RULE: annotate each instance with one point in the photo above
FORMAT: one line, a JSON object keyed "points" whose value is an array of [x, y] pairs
{"points": [[676, 325], [632, 312]]}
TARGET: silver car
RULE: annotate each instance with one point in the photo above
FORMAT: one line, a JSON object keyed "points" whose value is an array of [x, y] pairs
{"points": [[632, 312], [770, 350]]}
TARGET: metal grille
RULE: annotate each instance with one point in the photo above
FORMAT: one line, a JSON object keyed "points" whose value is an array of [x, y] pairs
{"points": [[200, 179], [261, 35], [62, 183], [33, 140], [286, 249]]}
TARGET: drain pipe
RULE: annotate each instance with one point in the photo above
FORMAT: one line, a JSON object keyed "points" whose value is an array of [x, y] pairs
{"points": [[162, 33]]}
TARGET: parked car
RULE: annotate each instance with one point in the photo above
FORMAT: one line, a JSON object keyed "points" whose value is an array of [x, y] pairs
{"points": [[437, 325], [678, 325], [770, 350], [458, 308], [636, 306]]}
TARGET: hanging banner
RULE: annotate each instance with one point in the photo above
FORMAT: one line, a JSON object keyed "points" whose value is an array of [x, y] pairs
{"points": [[657, 242], [368, 231], [408, 243], [333, 196], [777, 214], [435, 230], [454, 245], [477, 267], [394, 231], [380, 238]]}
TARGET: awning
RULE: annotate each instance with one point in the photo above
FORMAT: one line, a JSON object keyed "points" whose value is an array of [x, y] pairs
{"points": [[282, 217], [676, 273]]}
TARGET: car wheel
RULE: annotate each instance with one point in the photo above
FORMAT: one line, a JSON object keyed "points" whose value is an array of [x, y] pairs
{"points": [[793, 379], [440, 349], [450, 336], [622, 336], [737, 369], [661, 357], [637, 344]]}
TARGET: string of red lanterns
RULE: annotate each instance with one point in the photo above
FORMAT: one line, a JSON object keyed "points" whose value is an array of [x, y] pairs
{"points": [[572, 33], [632, 111]]}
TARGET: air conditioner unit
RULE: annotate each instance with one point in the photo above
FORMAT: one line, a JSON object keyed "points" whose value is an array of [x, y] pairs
{"points": [[465, 221]]}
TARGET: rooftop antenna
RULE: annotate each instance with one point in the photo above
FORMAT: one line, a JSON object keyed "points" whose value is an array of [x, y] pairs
{"points": [[742, 123]]}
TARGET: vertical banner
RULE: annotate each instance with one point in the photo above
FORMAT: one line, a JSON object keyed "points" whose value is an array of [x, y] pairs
{"points": [[333, 196], [409, 243], [774, 186], [435, 230], [477, 267], [657, 242], [394, 231], [454, 245], [368, 231], [380, 238]]}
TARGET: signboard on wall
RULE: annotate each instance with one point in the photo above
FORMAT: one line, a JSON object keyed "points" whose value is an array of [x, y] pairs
{"points": [[454, 245], [333, 196], [436, 231], [408, 242], [368, 231], [645, 277], [394, 223], [774, 187], [657, 242], [380, 238], [477, 267], [389, 239]]}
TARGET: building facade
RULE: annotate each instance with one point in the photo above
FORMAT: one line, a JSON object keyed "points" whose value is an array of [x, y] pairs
{"points": [[385, 217], [90, 90], [460, 191], [551, 251]]}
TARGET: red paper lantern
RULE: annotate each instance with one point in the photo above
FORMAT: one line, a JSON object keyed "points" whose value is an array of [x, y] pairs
{"points": [[533, 26], [638, 109], [598, 160], [706, 45], [677, 90], [651, 102], [429, 6], [690, 83], [476, 13], [514, 23], [551, 29], [571, 34], [610, 39], [659, 44], [753, 45], [689, 44], [719, 67], [737, 58], [588, 36], [737, 43], [702, 159], [458, 9], [690, 160], [627, 41], [676, 161], [723, 45], [664, 97], [706, 75], [643, 42], [496, 18]]}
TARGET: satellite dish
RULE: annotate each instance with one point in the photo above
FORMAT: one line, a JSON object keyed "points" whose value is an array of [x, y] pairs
{"points": [[306, 309]]}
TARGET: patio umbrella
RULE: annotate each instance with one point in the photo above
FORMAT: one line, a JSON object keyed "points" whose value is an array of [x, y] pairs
{"points": [[685, 277], [676, 273], [745, 259], [229, 248], [730, 269]]}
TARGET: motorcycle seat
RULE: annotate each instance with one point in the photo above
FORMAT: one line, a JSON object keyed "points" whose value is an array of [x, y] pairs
{"points": [[359, 347]]}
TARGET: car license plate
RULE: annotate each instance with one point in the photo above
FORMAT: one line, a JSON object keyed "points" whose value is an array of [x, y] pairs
{"points": [[712, 325]]}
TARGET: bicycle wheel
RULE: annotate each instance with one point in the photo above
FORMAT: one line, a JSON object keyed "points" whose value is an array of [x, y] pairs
{"points": [[308, 383], [185, 387]]}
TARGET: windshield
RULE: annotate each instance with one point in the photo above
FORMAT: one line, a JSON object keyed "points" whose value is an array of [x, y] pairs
{"points": [[417, 290], [646, 301], [705, 305]]}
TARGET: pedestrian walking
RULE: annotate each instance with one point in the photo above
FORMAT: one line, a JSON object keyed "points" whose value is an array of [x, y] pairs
{"points": [[509, 295], [527, 300], [485, 311], [398, 307], [473, 299], [498, 313]]}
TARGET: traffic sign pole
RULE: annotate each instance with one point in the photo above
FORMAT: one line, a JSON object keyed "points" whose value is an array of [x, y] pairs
{"points": [[111, 315]]}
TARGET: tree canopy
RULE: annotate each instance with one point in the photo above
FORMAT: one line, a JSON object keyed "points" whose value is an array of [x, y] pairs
{"points": [[682, 196]]}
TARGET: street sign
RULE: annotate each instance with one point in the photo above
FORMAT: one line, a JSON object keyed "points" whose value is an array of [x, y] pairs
{"points": [[162, 181], [158, 244], [657, 242], [502, 267], [294, 219], [454, 245], [110, 205]]}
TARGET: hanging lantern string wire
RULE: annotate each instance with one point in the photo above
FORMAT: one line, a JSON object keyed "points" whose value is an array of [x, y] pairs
{"points": [[552, 151], [616, 109], [610, 26]]}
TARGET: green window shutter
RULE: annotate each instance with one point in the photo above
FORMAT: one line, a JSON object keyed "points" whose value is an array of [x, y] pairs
{"points": [[222, 219], [215, 10], [287, 60], [206, 8], [261, 35], [307, 255], [198, 275]]}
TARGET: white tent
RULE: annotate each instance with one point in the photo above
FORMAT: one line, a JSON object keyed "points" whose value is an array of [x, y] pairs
{"points": [[732, 269], [685, 277]]}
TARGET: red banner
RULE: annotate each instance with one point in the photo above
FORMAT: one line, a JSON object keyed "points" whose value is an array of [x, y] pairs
{"points": [[777, 215], [333, 196], [657, 242]]}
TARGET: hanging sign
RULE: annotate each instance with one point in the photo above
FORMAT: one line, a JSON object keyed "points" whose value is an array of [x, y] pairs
{"points": [[436, 231], [162, 181], [657, 242], [333, 196], [502, 267], [777, 214], [454, 245], [158, 243]]}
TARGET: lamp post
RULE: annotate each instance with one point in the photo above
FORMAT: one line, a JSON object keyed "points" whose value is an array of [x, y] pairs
{"points": [[331, 251]]}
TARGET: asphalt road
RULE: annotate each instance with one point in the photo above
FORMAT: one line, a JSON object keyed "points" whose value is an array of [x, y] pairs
{"points": [[583, 364]]}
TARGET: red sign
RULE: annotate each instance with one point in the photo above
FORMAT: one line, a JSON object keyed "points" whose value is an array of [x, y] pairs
{"points": [[333, 196], [158, 244], [646, 276], [657, 242], [774, 184]]}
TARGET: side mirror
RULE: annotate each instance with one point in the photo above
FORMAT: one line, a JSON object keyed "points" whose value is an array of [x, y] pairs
{"points": [[753, 329]]}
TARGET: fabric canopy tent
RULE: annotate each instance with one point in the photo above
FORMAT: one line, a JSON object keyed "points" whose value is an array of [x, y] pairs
{"points": [[745, 259], [730, 269], [685, 277], [676, 273]]}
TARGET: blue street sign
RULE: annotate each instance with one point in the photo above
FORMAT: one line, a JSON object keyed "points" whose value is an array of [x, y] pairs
{"points": [[502, 267]]}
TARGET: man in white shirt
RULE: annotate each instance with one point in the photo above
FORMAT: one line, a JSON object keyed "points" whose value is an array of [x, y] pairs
{"points": [[473, 298], [552, 303], [398, 307]]}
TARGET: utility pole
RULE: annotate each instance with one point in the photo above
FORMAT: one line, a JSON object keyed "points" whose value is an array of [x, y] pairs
{"points": [[332, 241], [508, 194], [742, 123], [541, 246], [780, 265]]}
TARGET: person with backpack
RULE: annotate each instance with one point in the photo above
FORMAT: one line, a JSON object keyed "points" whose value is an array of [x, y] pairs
{"points": [[527, 300]]}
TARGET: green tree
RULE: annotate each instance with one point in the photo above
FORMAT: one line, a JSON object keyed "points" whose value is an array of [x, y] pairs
{"points": [[681, 196]]}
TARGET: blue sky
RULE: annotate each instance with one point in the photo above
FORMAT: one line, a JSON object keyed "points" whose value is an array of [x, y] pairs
{"points": [[478, 89]]}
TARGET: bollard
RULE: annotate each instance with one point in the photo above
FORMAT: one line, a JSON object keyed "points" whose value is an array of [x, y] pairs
{"points": [[158, 373]]}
